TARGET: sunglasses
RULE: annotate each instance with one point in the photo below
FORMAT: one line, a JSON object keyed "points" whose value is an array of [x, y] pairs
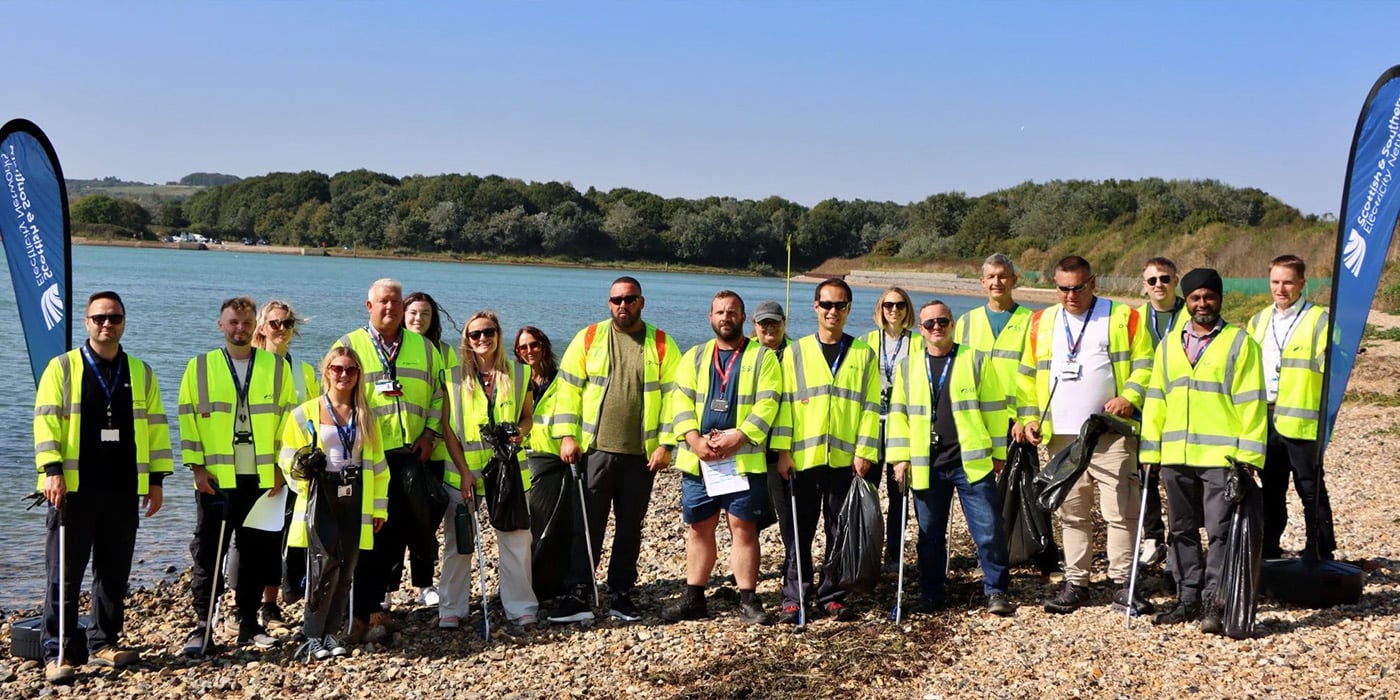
{"points": [[1164, 279], [1070, 290], [628, 299], [838, 305], [281, 324], [343, 370], [529, 347], [107, 319], [940, 322], [892, 305], [477, 335]]}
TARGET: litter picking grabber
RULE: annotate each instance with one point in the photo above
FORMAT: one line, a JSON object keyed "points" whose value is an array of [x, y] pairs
{"points": [[218, 578], [62, 577], [797, 559], [587, 535], [481, 574], [1131, 609], [898, 611]]}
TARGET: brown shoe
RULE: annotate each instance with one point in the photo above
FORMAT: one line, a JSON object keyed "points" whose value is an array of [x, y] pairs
{"points": [[58, 672], [113, 657], [382, 619], [358, 630]]}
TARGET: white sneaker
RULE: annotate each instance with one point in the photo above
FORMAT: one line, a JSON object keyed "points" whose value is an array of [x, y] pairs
{"points": [[1152, 553], [428, 596], [388, 602]]}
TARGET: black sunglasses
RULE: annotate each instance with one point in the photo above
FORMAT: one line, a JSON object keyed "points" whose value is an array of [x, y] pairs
{"points": [[107, 319], [939, 322], [1070, 290], [627, 299], [476, 335], [838, 305], [527, 347], [893, 305], [1164, 279], [278, 324]]}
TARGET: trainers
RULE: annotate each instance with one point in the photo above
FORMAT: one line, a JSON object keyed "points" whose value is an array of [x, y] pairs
{"points": [[1181, 612], [571, 608], [313, 650], [1140, 605], [197, 642], [254, 635], [112, 657], [449, 622], [57, 672], [1069, 599], [623, 608], [270, 616], [687, 608], [839, 612], [382, 619], [997, 604], [791, 615], [428, 596], [333, 646], [752, 613], [1153, 553]]}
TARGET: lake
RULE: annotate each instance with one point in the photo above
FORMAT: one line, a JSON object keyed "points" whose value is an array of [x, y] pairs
{"points": [[172, 301]]}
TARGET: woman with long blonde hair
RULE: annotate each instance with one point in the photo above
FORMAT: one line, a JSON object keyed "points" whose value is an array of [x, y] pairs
{"points": [[894, 340]]}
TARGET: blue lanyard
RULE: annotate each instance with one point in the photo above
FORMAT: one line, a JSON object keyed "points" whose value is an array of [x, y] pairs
{"points": [[887, 363], [937, 389], [388, 357], [1205, 343], [1273, 328], [840, 355], [1070, 340], [108, 390], [242, 389], [346, 432], [1152, 325]]}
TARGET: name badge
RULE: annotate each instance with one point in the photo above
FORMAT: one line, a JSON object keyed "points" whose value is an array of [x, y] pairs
{"points": [[345, 491], [111, 435], [719, 406], [1070, 372], [388, 387], [933, 441]]}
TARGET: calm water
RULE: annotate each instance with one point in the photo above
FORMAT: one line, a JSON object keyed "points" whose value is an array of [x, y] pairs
{"points": [[172, 299]]}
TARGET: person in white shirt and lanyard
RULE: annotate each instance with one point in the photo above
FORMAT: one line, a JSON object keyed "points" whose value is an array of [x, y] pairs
{"points": [[1293, 336]]}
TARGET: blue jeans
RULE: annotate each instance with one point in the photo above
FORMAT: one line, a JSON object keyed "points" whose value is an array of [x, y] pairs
{"points": [[979, 505]]}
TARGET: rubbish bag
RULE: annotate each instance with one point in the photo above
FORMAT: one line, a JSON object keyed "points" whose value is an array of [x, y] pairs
{"points": [[1055, 481], [1029, 531], [551, 498], [425, 499], [854, 564], [332, 528], [1244, 547], [505, 488]]}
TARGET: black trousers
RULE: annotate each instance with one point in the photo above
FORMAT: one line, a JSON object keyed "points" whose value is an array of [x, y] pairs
{"points": [[1196, 496], [1296, 458], [259, 551], [620, 483], [422, 559], [820, 492], [329, 581], [377, 568], [103, 525], [1153, 527]]}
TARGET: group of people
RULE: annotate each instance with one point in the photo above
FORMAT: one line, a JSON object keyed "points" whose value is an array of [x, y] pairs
{"points": [[763, 428]]}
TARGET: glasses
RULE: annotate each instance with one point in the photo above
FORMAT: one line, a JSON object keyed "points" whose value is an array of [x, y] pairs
{"points": [[477, 335], [893, 305], [281, 324], [1071, 290], [838, 305], [343, 370], [107, 319], [1164, 279], [627, 299], [940, 322], [529, 347]]}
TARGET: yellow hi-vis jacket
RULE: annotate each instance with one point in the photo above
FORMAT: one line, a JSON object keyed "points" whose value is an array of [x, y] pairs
{"points": [[1299, 401], [374, 474], [1198, 416], [449, 362], [998, 355], [469, 415], [1145, 314], [208, 402], [542, 440], [760, 386], [401, 419], [584, 374], [978, 409], [833, 419], [1129, 351], [58, 418], [306, 379]]}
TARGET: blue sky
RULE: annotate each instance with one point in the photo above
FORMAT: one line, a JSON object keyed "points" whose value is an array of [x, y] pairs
{"points": [[872, 100]]}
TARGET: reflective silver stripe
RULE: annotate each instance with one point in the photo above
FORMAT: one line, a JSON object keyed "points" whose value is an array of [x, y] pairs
{"points": [[757, 422], [781, 431], [589, 428], [565, 419], [47, 446], [381, 504], [1174, 436], [1252, 446], [201, 387], [1005, 354], [156, 418], [161, 454], [375, 376], [916, 410], [1140, 364], [685, 416], [384, 409], [1296, 364], [793, 393], [1117, 356], [189, 446], [896, 442], [765, 395], [969, 455], [688, 393], [999, 441], [1132, 386], [65, 391], [993, 406], [1299, 413], [366, 519], [418, 374], [1151, 446], [47, 411], [1029, 371], [570, 379], [1236, 347], [650, 387], [831, 441], [138, 414], [1245, 397], [854, 395], [1156, 394], [277, 363], [218, 460], [264, 409], [967, 405], [1040, 365], [1210, 387]]}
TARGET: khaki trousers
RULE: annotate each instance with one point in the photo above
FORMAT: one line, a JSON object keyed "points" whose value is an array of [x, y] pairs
{"points": [[1113, 474]]}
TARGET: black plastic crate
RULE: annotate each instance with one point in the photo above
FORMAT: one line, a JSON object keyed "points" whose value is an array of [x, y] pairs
{"points": [[25, 635]]}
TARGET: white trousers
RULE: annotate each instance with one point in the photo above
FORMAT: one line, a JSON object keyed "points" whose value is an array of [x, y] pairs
{"points": [[514, 570]]}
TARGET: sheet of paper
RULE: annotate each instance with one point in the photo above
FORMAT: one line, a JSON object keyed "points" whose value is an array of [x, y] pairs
{"points": [[723, 477], [269, 513]]}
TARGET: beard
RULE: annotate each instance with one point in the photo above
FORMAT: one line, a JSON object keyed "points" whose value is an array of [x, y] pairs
{"points": [[1206, 317], [734, 333]]}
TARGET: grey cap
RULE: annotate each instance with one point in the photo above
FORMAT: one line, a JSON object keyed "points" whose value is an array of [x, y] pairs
{"points": [[769, 311]]}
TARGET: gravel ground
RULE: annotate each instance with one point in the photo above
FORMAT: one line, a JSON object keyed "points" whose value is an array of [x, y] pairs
{"points": [[1347, 651]]}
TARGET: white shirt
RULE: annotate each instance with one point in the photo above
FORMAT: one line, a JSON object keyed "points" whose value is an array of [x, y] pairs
{"points": [[1074, 400], [245, 456], [335, 449], [1276, 335]]}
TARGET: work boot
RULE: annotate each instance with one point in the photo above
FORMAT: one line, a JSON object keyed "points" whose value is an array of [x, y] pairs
{"points": [[1211, 622], [1069, 599], [1140, 605], [689, 607], [998, 605], [1182, 612], [752, 612], [58, 672], [112, 657]]}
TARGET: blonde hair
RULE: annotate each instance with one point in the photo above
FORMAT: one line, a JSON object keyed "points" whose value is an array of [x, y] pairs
{"points": [[260, 339], [367, 430], [908, 321], [502, 364]]}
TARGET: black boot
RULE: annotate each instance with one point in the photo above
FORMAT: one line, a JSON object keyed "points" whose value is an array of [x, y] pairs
{"points": [[1182, 612], [691, 606]]}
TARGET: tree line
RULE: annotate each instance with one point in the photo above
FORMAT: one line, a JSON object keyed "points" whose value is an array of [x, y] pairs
{"points": [[493, 215]]}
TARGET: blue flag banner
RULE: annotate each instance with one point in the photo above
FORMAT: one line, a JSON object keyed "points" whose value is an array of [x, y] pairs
{"points": [[34, 229], [1370, 206]]}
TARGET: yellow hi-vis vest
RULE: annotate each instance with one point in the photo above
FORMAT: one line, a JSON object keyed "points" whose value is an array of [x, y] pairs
{"points": [[1198, 416], [208, 400], [374, 474], [58, 419], [977, 408], [1145, 314], [469, 415], [1129, 351], [542, 440], [449, 361], [401, 419], [306, 379], [760, 386], [584, 374], [834, 419], [998, 355], [1300, 374]]}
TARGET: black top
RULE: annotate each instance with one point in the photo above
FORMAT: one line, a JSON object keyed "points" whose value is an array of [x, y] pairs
{"points": [[106, 465], [949, 454], [836, 351]]}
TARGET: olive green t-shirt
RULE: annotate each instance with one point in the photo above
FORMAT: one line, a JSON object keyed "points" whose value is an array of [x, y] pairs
{"points": [[620, 420]]}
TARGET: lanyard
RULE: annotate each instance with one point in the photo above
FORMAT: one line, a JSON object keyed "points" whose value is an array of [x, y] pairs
{"points": [[242, 389], [1273, 328], [346, 432], [728, 368], [1204, 343], [108, 390], [1070, 340], [887, 362], [937, 389], [387, 356], [490, 394], [840, 355], [1152, 325]]}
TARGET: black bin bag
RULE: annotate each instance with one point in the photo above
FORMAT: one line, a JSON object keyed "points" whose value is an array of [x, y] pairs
{"points": [[1029, 532], [860, 540], [505, 487], [1244, 546], [426, 500], [551, 498], [1055, 481]]}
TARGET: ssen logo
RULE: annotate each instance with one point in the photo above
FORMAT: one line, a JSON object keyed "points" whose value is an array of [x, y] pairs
{"points": [[52, 306], [1354, 256]]}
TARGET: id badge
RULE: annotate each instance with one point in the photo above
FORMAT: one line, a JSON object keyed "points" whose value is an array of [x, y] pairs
{"points": [[719, 405], [388, 387], [110, 435], [345, 491], [933, 442], [1070, 372]]}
